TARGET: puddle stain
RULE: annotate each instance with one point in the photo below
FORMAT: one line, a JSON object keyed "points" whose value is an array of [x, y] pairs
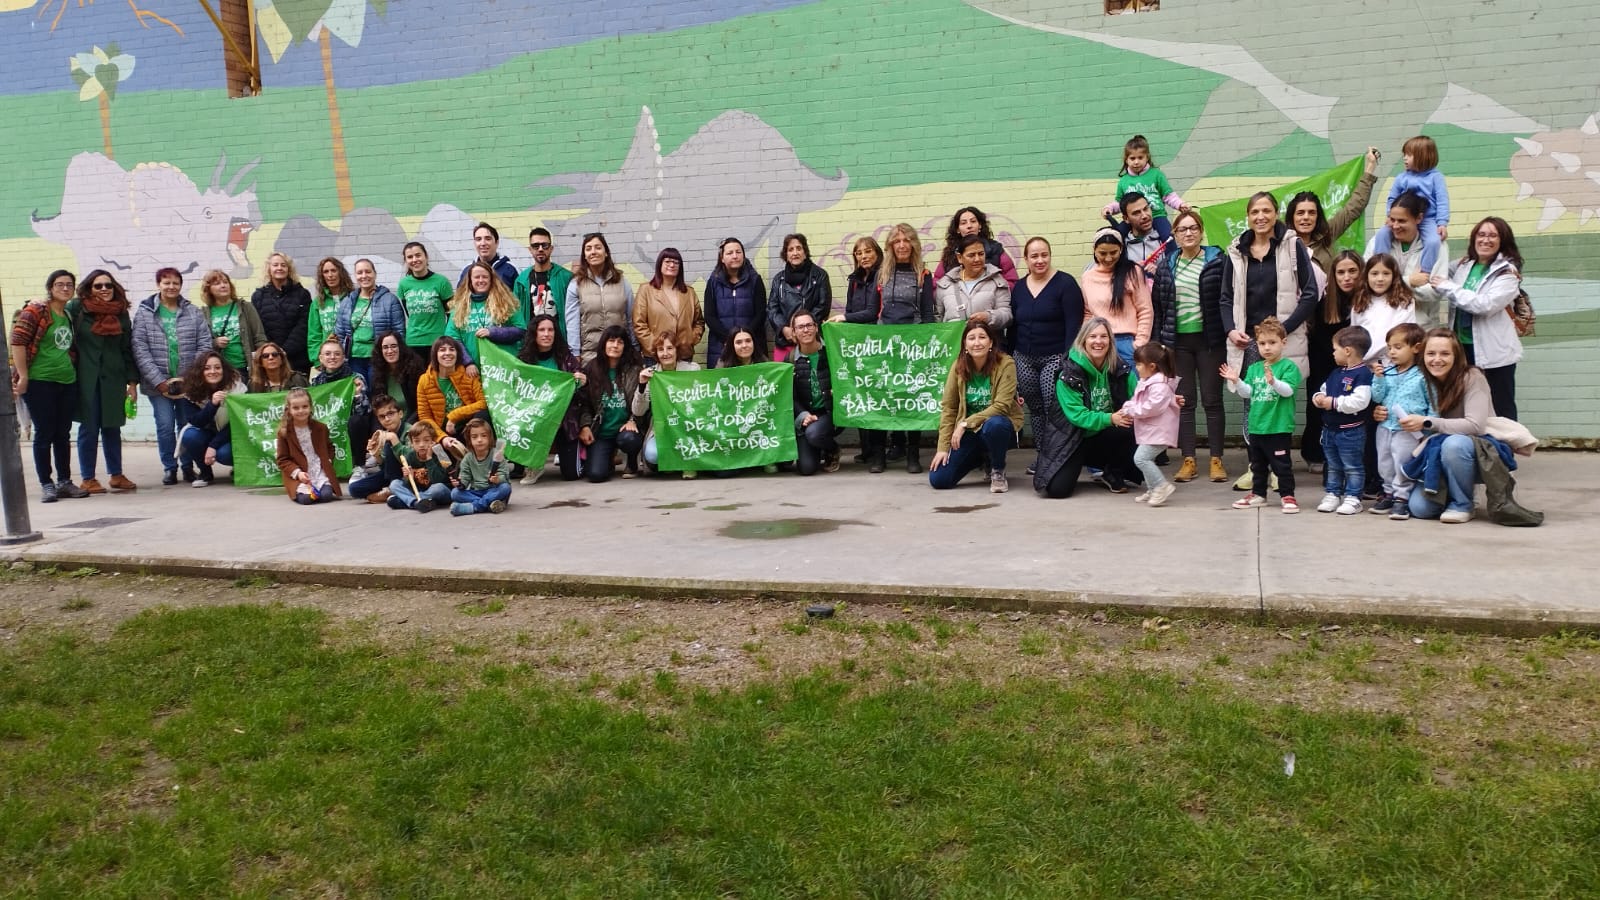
{"points": [[964, 509], [775, 529], [725, 507], [572, 504], [681, 504]]}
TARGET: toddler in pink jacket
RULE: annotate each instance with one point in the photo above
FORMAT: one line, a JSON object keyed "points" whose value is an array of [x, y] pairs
{"points": [[1154, 411]]}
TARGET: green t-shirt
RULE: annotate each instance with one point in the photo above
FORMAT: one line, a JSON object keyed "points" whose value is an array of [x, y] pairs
{"points": [[169, 325], [320, 325], [979, 392], [452, 399], [53, 363], [1152, 184], [1464, 323], [425, 300], [225, 323], [361, 328], [1271, 413], [811, 362], [549, 362], [1187, 281], [613, 410], [397, 392]]}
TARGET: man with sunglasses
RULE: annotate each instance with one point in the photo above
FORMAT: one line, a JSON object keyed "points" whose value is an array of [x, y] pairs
{"points": [[542, 287]]}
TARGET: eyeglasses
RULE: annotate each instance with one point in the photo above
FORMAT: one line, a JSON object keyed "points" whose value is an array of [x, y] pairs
{"points": [[539, 245], [804, 326], [102, 286], [1187, 229]]}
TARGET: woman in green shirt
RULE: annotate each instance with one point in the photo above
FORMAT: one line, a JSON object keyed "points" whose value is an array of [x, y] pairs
{"points": [[606, 424], [333, 285], [45, 377], [979, 415], [395, 370], [236, 329]]}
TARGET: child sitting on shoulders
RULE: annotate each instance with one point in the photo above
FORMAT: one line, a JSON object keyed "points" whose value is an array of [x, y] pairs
{"points": [[1398, 390], [1268, 386], [1154, 411], [305, 454], [426, 472], [482, 485], [1344, 396]]}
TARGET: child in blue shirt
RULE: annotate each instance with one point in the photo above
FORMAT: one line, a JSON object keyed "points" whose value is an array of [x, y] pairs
{"points": [[1398, 391], [1421, 177], [1344, 396]]}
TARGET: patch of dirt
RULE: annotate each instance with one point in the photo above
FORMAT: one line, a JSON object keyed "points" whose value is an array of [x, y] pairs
{"points": [[1457, 691]]}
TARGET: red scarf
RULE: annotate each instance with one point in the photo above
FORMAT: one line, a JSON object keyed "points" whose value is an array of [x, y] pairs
{"points": [[107, 315]]}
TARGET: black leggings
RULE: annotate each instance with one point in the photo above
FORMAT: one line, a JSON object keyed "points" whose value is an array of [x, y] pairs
{"points": [[1110, 449], [50, 404]]}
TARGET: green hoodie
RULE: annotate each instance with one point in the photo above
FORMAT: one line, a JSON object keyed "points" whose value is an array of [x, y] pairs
{"points": [[1096, 415]]}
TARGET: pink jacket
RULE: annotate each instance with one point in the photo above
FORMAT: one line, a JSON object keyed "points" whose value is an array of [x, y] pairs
{"points": [[1154, 411]]}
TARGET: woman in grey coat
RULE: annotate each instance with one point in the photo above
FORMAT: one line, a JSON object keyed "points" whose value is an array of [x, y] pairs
{"points": [[168, 335]]}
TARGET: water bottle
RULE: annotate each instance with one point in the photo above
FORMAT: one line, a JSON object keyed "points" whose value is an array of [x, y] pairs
{"points": [[129, 408]]}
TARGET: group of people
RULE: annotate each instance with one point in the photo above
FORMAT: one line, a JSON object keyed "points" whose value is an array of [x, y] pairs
{"points": [[1111, 367]]}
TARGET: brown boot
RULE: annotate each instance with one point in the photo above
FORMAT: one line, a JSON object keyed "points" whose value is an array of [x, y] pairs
{"points": [[92, 486], [1218, 473], [1187, 471], [121, 483]]}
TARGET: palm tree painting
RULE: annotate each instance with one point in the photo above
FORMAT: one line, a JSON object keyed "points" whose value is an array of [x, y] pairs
{"points": [[282, 22], [97, 74]]}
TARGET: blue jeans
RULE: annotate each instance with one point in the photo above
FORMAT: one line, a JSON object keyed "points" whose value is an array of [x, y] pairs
{"points": [[1459, 459], [598, 466], [400, 490], [480, 500], [994, 438], [1125, 347], [1344, 450], [193, 443], [1145, 459], [170, 418], [91, 431]]}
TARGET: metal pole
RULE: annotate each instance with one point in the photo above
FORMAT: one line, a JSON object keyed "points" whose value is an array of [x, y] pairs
{"points": [[13, 490]]}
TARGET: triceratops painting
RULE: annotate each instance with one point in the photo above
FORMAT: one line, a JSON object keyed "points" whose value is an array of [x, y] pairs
{"points": [[736, 176], [136, 222]]}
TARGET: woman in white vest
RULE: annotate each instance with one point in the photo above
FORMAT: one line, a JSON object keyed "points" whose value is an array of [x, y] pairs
{"points": [[1267, 272], [598, 298]]}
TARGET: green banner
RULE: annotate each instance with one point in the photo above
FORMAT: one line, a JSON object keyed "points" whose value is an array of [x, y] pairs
{"points": [[890, 377], [527, 403], [721, 419], [253, 420], [1224, 222]]}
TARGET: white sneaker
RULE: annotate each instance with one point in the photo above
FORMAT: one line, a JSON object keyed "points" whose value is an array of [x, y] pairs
{"points": [[199, 482], [1160, 495], [1330, 502], [532, 475], [1142, 497], [1456, 516], [1349, 507]]}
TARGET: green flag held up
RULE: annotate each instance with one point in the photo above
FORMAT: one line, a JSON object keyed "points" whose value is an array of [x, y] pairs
{"points": [[721, 419], [253, 421], [527, 402], [890, 377], [1224, 222]]}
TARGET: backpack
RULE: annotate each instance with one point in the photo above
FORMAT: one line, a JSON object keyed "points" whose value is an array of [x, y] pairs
{"points": [[1522, 314]]}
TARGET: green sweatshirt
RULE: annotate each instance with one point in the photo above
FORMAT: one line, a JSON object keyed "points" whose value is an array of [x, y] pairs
{"points": [[475, 472], [1095, 416], [1152, 184]]}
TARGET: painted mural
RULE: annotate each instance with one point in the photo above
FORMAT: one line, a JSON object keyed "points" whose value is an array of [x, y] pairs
{"points": [[384, 122]]}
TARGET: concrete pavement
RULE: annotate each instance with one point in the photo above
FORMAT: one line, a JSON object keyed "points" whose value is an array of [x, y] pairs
{"points": [[879, 538]]}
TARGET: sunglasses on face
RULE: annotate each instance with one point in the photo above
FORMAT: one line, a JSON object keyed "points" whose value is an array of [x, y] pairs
{"points": [[271, 355], [102, 286], [539, 245]]}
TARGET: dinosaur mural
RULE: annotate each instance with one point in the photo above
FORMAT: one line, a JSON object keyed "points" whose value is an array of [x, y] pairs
{"points": [[1562, 168], [736, 176], [136, 221], [375, 234], [1368, 93]]}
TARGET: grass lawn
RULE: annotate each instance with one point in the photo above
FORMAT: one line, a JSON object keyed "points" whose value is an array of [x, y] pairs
{"points": [[262, 750]]}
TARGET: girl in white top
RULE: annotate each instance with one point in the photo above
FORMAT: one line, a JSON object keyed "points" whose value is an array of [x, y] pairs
{"points": [[1384, 301]]}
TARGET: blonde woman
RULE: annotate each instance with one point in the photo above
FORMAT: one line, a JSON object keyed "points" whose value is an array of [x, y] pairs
{"points": [[284, 305], [905, 297], [485, 309], [236, 330]]}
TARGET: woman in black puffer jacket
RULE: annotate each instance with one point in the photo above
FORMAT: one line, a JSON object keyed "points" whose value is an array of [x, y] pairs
{"points": [[283, 304]]}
